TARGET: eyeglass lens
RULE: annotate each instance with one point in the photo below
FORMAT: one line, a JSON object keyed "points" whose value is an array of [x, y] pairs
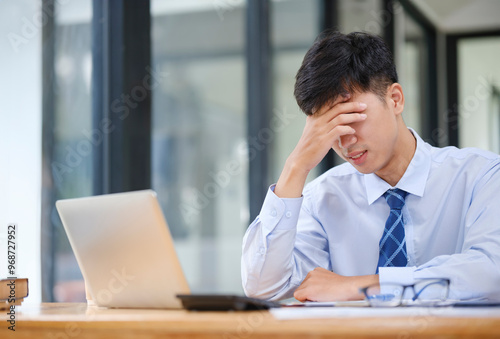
{"points": [[426, 291]]}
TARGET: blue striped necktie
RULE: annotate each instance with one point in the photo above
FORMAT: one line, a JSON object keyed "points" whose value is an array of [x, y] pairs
{"points": [[393, 242]]}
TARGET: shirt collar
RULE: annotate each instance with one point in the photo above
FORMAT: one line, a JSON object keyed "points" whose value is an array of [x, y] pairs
{"points": [[414, 178]]}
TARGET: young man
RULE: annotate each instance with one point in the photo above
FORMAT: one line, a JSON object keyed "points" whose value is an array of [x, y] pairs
{"points": [[325, 241]]}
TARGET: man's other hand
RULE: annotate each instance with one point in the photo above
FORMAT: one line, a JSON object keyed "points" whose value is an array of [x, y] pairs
{"points": [[323, 285]]}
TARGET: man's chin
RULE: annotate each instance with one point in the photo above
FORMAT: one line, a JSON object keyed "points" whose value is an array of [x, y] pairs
{"points": [[364, 168]]}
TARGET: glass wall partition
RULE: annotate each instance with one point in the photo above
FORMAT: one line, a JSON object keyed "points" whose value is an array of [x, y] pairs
{"points": [[72, 141], [290, 42], [199, 150], [362, 16], [478, 92], [416, 61], [412, 69]]}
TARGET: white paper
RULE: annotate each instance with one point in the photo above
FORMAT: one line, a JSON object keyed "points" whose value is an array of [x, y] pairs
{"points": [[288, 313], [357, 303]]}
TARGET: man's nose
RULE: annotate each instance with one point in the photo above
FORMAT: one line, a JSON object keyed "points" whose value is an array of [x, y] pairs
{"points": [[347, 141]]}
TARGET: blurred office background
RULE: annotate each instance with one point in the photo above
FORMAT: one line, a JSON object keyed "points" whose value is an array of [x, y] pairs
{"points": [[194, 99]]}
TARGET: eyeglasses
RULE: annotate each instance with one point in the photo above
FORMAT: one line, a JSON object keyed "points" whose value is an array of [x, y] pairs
{"points": [[424, 292]]}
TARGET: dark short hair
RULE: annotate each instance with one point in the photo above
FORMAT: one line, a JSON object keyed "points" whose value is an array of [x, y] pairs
{"points": [[338, 64]]}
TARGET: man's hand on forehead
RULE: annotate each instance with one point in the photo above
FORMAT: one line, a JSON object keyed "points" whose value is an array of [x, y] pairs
{"points": [[322, 132], [343, 112]]}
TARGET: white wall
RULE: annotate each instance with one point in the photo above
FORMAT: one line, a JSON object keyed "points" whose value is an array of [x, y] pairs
{"points": [[20, 137]]}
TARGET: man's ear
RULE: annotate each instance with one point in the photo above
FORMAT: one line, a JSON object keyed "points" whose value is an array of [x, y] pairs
{"points": [[396, 98]]}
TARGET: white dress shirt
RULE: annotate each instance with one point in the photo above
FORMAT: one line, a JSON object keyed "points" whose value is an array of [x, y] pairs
{"points": [[452, 226]]}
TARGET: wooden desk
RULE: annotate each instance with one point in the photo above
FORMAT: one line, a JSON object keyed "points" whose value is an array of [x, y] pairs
{"points": [[61, 321]]}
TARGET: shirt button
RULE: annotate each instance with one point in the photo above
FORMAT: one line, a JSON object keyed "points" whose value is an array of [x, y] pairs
{"points": [[262, 250], [274, 213], [288, 214]]}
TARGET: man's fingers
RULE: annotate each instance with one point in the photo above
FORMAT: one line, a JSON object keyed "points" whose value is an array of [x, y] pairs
{"points": [[298, 294], [302, 293], [345, 107], [328, 106], [350, 118], [346, 141], [339, 132], [307, 289]]}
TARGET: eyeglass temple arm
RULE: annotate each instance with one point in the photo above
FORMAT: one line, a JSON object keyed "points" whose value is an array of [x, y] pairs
{"points": [[417, 294]]}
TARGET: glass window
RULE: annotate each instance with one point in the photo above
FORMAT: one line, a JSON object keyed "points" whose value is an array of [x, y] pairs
{"points": [[362, 16], [478, 93], [411, 62], [73, 141], [290, 43], [199, 153]]}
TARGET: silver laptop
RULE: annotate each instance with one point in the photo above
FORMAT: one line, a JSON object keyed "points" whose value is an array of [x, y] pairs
{"points": [[124, 249]]}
